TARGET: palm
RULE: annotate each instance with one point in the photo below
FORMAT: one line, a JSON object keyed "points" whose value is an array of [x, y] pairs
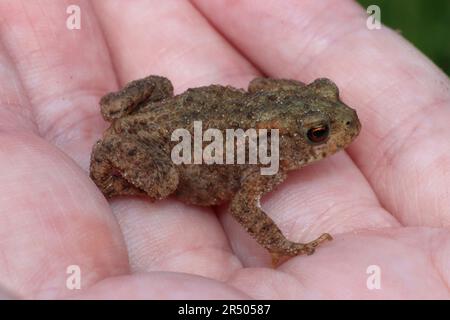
{"points": [[395, 176]]}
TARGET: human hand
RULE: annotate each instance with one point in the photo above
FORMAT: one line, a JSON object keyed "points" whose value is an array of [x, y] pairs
{"points": [[386, 201]]}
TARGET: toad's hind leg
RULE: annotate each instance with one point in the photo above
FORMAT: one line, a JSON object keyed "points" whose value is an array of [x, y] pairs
{"points": [[108, 178], [117, 104], [245, 207], [133, 165]]}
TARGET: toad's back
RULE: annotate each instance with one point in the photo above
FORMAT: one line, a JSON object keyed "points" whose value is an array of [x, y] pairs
{"points": [[220, 107]]}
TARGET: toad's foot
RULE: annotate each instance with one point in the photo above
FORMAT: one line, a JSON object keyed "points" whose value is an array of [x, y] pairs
{"points": [[294, 249], [290, 249]]}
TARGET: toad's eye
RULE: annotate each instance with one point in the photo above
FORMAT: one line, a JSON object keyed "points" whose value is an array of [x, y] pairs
{"points": [[318, 134]]}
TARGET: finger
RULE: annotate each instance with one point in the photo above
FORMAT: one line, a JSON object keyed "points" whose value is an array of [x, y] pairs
{"points": [[401, 97], [173, 40], [397, 263], [51, 216], [169, 38], [331, 196], [171, 236], [63, 71], [161, 285]]}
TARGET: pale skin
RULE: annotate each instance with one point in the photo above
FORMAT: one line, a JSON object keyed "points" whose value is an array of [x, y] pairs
{"points": [[385, 201]]}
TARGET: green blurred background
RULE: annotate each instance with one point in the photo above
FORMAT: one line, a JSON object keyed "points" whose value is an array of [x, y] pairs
{"points": [[425, 23]]}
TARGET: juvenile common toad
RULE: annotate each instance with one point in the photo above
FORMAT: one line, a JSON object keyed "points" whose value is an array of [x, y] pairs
{"points": [[134, 155]]}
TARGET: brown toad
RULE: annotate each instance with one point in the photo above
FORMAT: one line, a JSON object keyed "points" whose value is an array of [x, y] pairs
{"points": [[134, 155]]}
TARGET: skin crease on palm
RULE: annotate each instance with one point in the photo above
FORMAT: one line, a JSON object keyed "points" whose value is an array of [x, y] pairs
{"points": [[386, 200]]}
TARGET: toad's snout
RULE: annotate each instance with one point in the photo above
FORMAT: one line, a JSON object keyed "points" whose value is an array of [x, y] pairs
{"points": [[351, 123]]}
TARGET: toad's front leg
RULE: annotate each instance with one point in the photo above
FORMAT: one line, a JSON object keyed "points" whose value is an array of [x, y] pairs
{"points": [[245, 207]]}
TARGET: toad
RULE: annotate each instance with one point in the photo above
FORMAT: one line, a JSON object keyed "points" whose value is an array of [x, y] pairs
{"points": [[135, 154]]}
